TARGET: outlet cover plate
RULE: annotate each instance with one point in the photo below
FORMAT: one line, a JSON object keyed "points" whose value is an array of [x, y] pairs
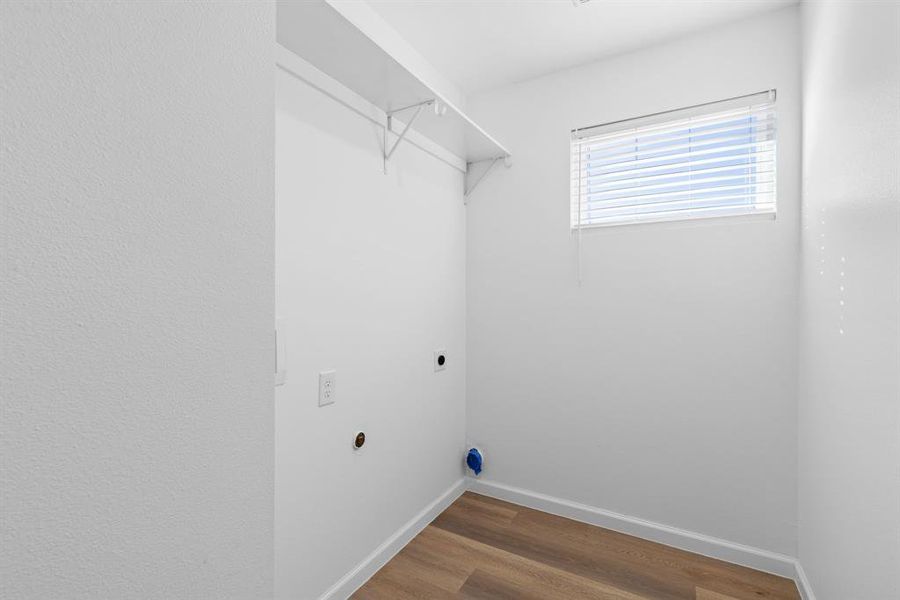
{"points": [[327, 389]]}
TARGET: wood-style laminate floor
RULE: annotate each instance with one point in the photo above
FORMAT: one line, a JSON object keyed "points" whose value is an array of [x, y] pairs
{"points": [[482, 548]]}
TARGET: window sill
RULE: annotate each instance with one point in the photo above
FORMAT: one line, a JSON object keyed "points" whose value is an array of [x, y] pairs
{"points": [[680, 223]]}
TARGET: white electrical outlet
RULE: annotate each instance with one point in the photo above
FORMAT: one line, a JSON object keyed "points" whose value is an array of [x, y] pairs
{"points": [[440, 359], [326, 388]]}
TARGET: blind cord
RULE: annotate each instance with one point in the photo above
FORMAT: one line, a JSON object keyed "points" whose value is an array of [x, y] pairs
{"points": [[578, 252]]}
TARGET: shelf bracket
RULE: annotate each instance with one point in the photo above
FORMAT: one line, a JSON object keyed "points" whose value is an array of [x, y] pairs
{"points": [[402, 135], [481, 177]]}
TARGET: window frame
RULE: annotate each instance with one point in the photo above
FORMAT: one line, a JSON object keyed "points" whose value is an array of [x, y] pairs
{"points": [[680, 125]]}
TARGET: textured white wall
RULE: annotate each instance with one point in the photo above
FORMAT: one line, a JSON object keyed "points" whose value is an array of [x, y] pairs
{"points": [[137, 302], [850, 372], [665, 386], [371, 280]]}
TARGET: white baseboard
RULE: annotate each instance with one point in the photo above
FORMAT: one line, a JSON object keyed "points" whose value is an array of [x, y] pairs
{"points": [[748, 556], [361, 573], [803, 585]]}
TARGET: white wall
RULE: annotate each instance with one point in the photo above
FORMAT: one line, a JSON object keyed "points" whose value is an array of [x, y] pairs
{"points": [[137, 275], [370, 280], [850, 372], [665, 386]]}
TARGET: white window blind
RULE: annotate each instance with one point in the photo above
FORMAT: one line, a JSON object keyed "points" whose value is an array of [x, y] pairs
{"points": [[711, 160]]}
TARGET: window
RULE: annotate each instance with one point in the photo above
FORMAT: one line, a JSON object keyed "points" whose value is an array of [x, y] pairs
{"points": [[711, 160]]}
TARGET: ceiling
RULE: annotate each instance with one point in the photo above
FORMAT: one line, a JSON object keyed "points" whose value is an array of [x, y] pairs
{"points": [[482, 44]]}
